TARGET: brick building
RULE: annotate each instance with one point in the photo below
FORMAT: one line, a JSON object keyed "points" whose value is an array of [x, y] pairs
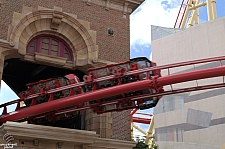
{"points": [[46, 38]]}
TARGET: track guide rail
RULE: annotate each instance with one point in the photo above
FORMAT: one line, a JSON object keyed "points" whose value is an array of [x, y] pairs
{"points": [[154, 84]]}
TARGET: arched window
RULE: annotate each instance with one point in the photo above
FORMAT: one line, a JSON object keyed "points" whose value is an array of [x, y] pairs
{"points": [[50, 45]]}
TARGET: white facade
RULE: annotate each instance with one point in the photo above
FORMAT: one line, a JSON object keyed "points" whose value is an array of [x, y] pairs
{"points": [[193, 120]]}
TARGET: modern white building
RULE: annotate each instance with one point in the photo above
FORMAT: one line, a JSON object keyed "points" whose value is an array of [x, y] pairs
{"points": [[193, 120]]}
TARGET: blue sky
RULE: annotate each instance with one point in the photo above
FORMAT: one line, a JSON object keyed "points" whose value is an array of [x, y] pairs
{"points": [[151, 12]]}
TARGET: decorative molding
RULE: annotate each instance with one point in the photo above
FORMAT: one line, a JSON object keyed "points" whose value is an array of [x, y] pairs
{"points": [[50, 59], [125, 9], [75, 32], [11, 43], [56, 62], [47, 132], [125, 6], [107, 5], [89, 2], [35, 142], [4, 44], [59, 145], [61, 136], [56, 20]]}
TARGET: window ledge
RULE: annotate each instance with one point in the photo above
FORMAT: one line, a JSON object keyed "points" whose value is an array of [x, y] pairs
{"points": [[50, 59]]}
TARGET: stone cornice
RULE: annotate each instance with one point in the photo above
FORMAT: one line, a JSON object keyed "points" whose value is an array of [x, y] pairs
{"points": [[125, 6], [5, 44], [116, 144], [50, 133]]}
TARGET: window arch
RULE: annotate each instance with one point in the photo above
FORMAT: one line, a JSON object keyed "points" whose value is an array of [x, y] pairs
{"points": [[50, 45]]}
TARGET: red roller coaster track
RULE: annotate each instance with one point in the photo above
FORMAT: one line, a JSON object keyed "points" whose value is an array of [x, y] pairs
{"points": [[155, 83], [180, 15]]}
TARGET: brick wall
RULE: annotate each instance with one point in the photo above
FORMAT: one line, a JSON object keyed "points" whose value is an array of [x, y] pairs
{"points": [[113, 48], [121, 125]]}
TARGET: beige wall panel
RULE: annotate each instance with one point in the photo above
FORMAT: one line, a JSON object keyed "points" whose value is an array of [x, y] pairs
{"points": [[201, 41], [184, 145], [206, 136]]}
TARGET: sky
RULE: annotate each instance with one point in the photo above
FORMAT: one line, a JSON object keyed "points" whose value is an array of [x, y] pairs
{"points": [[151, 12]]}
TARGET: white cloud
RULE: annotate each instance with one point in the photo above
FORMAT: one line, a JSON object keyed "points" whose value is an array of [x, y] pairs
{"points": [[3, 88], [152, 12], [137, 133], [3, 85], [6, 93]]}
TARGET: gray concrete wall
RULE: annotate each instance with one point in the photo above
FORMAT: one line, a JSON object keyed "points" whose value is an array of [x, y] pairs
{"points": [[201, 41], [196, 118], [184, 145]]}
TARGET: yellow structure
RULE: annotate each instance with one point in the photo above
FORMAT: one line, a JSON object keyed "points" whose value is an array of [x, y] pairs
{"points": [[149, 135], [223, 146], [192, 8]]}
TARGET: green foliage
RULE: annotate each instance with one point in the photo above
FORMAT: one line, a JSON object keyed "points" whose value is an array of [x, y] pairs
{"points": [[155, 147], [141, 145]]}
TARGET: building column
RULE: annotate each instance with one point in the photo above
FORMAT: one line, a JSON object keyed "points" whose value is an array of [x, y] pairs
{"points": [[121, 129], [2, 57], [100, 123]]}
